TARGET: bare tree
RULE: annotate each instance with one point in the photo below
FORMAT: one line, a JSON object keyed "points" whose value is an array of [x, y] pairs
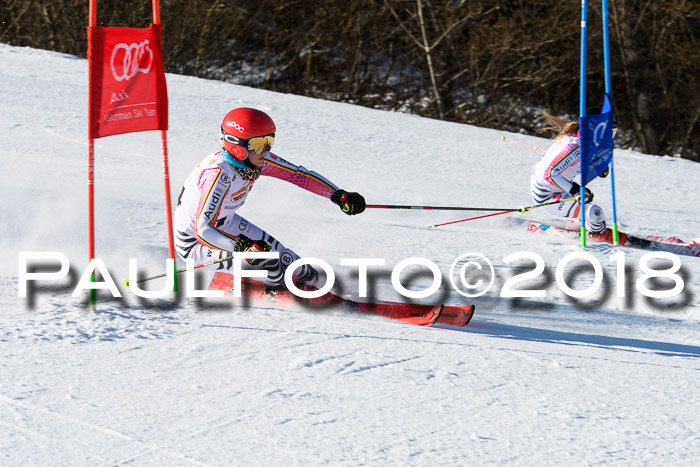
{"points": [[485, 62]]}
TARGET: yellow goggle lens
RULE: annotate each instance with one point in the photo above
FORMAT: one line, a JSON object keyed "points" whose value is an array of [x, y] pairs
{"points": [[261, 144]]}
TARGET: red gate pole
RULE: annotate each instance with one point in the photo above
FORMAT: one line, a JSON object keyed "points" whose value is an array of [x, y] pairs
{"points": [[92, 22], [166, 171], [168, 209]]}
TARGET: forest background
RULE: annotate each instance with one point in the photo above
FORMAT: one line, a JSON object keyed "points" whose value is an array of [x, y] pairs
{"points": [[488, 63]]}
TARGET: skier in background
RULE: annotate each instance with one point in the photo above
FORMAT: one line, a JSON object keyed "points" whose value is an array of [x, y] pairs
{"points": [[207, 226], [553, 177]]}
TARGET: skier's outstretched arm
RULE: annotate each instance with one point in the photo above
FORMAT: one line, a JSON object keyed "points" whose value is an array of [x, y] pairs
{"points": [[277, 167], [274, 166]]}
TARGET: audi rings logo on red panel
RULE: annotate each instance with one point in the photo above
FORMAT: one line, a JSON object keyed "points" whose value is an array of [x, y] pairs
{"points": [[129, 59]]}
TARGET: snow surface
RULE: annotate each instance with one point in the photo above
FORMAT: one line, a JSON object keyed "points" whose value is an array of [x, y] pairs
{"points": [[533, 381]]}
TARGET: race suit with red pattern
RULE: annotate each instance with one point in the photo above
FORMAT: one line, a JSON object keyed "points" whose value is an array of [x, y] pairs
{"points": [[206, 224], [552, 180]]}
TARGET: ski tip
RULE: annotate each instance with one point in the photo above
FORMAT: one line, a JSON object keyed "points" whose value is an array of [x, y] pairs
{"points": [[456, 315], [471, 315], [434, 226], [502, 138], [126, 283], [437, 314]]}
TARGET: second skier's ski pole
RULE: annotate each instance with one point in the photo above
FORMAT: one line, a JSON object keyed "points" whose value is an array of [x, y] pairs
{"points": [[505, 138], [521, 210]]}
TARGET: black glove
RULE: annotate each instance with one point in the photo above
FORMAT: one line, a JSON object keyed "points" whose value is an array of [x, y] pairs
{"points": [[244, 244], [576, 191], [605, 173], [350, 203]]}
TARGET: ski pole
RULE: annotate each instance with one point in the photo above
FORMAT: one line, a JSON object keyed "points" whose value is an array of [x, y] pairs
{"points": [[521, 210], [178, 271], [505, 138], [434, 226], [434, 208]]}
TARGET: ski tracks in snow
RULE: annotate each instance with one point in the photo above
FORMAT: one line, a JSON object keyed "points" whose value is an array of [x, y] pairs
{"points": [[33, 433]]}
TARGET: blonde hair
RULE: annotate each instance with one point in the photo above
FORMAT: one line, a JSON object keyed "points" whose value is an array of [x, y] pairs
{"points": [[563, 128]]}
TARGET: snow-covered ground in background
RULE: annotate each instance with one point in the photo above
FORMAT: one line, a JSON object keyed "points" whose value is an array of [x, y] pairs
{"points": [[535, 381]]}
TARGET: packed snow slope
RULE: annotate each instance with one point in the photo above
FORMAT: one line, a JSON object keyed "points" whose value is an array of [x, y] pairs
{"points": [[182, 381]]}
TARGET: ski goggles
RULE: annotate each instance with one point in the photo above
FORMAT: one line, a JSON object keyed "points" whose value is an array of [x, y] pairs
{"points": [[255, 145]]}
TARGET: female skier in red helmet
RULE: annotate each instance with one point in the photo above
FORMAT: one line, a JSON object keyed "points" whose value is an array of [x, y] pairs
{"points": [[206, 224]]}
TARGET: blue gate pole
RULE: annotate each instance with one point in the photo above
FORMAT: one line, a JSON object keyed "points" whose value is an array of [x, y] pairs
{"points": [[608, 91], [606, 47], [582, 113]]}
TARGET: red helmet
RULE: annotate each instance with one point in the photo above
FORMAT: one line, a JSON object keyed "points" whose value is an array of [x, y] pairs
{"points": [[243, 130]]}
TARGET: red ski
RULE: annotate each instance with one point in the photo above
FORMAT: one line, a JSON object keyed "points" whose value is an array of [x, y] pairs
{"points": [[422, 315], [571, 230], [456, 315]]}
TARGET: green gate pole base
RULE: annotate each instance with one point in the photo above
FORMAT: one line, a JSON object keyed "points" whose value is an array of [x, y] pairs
{"points": [[93, 295], [175, 285], [616, 235]]}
